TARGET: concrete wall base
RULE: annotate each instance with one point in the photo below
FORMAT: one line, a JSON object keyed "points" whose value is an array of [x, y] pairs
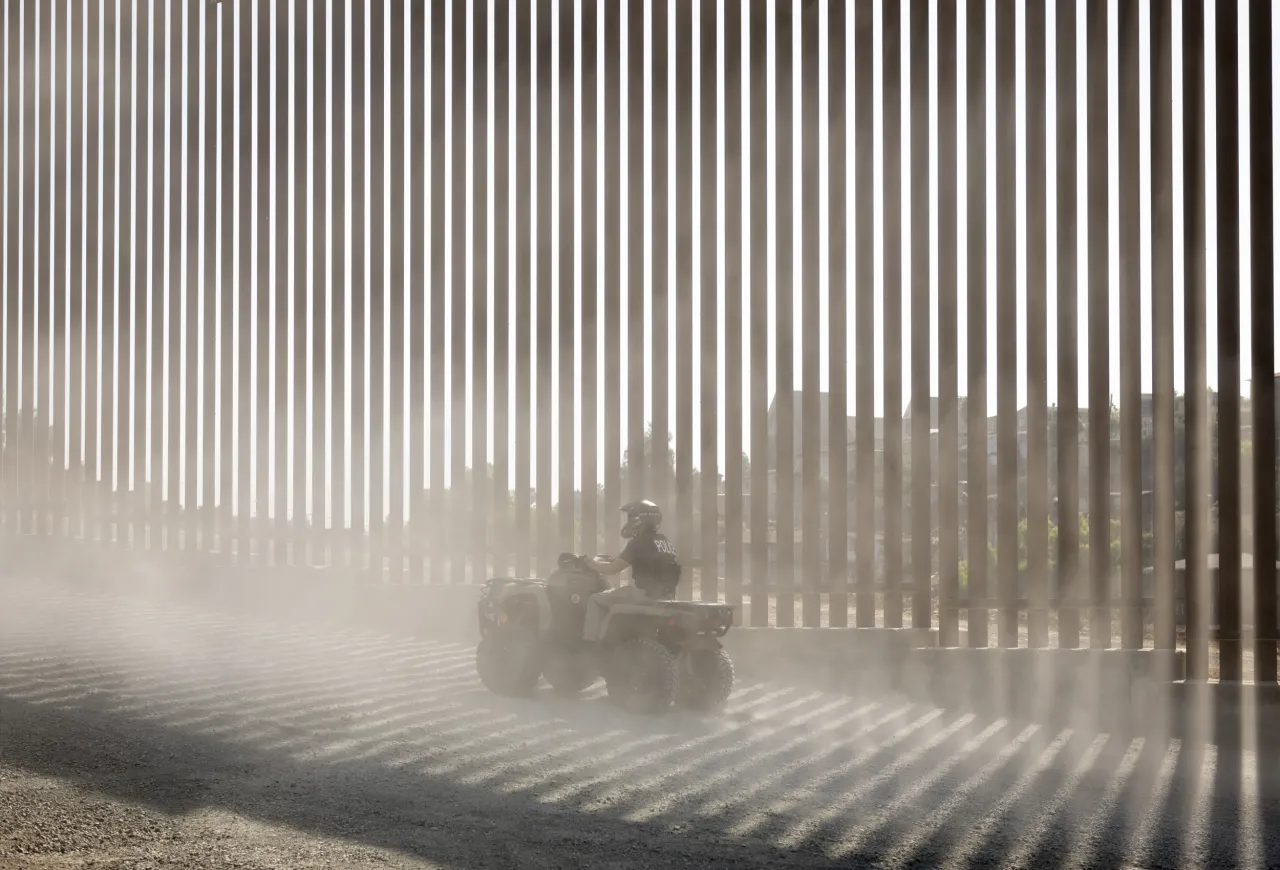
{"points": [[842, 659]]}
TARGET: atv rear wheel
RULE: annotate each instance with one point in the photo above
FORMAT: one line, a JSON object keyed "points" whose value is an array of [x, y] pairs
{"points": [[570, 673], [642, 676], [706, 680], [508, 660]]}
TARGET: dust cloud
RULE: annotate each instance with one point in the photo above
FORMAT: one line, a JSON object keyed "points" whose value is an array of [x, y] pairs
{"points": [[140, 718]]}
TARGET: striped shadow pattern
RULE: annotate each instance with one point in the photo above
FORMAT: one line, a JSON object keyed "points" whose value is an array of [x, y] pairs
{"points": [[392, 743]]}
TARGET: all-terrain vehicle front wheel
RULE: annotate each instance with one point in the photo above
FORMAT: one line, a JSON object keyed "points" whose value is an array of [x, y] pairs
{"points": [[642, 676], [706, 680], [508, 660]]}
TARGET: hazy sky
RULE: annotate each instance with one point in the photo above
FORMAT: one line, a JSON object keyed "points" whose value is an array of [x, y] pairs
{"points": [[459, 169]]}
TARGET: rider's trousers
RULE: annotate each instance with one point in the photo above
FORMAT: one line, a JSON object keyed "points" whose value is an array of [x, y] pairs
{"points": [[598, 605]]}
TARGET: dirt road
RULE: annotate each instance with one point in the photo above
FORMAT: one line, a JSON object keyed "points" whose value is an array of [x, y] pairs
{"points": [[151, 734]]}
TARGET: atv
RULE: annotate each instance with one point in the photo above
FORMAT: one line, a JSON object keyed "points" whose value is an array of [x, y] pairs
{"points": [[652, 653]]}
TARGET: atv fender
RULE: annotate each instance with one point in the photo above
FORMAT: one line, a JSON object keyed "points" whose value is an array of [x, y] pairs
{"points": [[621, 611], [522, 594], [699, 642], [642, 609]]}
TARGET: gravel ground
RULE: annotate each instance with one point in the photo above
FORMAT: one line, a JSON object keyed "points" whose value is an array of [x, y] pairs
{"points": [[151, 734]]}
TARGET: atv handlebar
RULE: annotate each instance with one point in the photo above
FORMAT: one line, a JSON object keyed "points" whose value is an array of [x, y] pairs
{"points": [[584, 562]]}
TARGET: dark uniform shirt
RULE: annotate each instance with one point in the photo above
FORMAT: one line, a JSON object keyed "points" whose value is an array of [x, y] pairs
{"points": [[654, 566]]}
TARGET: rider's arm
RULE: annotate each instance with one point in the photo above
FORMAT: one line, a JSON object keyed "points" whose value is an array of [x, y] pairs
{"points": [[618, 563], [612, 566]]}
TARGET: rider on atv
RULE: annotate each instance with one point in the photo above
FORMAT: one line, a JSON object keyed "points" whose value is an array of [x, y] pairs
{"points": [[655, 569]]}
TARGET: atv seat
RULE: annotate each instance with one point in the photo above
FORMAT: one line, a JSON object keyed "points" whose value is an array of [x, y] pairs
{"points": [[695, 616]]}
